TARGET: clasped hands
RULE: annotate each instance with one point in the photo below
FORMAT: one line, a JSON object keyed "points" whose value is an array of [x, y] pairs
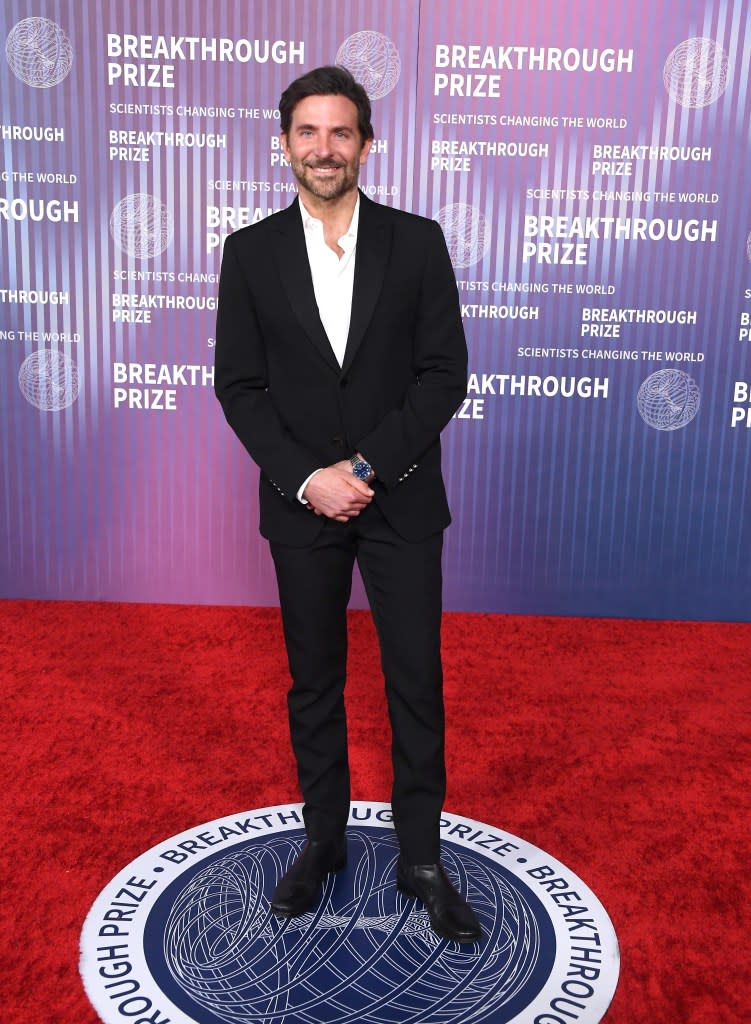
{"points": [[335, 492]]}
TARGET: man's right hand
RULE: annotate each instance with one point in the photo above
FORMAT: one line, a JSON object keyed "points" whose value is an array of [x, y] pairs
{"points": [[336, 493]]}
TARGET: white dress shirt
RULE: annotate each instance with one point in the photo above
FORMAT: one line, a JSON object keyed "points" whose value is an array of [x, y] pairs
{"points": [[333, 277], [333, 281]]}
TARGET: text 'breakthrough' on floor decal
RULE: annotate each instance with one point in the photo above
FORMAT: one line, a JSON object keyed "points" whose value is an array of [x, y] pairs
{"points": [[185, 934]]}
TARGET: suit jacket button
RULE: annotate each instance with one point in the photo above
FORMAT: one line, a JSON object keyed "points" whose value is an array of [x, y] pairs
{"points": [[343, 382], [337, 440]]}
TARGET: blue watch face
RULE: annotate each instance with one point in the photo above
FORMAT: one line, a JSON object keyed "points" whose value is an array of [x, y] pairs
{"points": [[362, 470]]}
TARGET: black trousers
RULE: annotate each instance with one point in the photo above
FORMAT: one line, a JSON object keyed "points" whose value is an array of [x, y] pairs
{"points": [[403, 583]]}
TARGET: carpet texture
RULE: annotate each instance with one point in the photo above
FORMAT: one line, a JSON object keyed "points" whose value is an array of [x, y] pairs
{"points": [[622, 748]]}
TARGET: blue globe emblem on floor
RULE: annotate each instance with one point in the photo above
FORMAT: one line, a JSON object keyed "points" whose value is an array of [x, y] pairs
{"points": [[366, 954], [185, 933]]}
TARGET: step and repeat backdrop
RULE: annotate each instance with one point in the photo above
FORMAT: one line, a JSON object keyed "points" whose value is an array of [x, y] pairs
{"points": [[588, 163]]}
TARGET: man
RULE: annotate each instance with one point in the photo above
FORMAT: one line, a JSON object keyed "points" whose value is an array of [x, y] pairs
{"points": [[340, 357]]}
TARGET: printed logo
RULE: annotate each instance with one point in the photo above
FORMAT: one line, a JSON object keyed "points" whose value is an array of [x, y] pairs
{"points": [[48, 380], [186, 933], [668, 400], [39, 52], [141, 226], [373, 60], [467, 233], [696, 72]]}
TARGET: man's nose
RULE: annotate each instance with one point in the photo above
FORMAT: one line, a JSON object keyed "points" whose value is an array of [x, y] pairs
{"points": [[323, 146]]}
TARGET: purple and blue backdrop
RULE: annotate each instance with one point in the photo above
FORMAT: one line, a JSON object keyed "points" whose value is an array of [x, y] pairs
{"points": [[586, 162]]}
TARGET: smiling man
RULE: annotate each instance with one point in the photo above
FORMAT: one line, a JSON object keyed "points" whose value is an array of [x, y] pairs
{"points": [[340, 357]]}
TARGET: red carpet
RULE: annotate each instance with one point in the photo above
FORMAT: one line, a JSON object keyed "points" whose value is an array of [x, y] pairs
{"points": [[621, 748]]}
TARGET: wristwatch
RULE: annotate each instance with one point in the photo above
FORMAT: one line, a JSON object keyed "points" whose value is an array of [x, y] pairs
{"points": [[360, 468]]}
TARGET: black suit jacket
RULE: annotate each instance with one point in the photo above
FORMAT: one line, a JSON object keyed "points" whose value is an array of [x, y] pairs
{"points": [[404, 373]]}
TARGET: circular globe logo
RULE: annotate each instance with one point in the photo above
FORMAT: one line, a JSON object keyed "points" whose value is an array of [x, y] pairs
{"points": [[141, 226], [186, 931], [373, 60], [467, 233], [668, 400], [696, 72], [39, 52], [48, 380]]}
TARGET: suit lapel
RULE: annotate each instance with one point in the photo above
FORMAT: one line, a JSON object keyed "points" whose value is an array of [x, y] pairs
{"points": [[291, 255], [371, 258]]}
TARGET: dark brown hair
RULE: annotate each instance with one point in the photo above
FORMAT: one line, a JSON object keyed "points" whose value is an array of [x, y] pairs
{"points": [[330, 80]]}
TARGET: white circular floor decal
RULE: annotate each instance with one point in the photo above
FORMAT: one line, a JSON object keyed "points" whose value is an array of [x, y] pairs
{"points": [[185, 934]]}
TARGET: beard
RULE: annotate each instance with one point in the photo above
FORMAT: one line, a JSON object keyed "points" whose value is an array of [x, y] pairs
{"points": [[339, 183]]}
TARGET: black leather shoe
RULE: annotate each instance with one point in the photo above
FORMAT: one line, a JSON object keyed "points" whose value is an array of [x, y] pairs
{"points": [[450, 914], [300, 889]]}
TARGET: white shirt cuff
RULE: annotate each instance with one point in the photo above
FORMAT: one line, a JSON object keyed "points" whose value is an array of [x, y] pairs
{"points": [[305, 483]]}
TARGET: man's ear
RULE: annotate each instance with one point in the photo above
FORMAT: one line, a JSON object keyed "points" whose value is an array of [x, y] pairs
{"points": [[365, 150]]}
